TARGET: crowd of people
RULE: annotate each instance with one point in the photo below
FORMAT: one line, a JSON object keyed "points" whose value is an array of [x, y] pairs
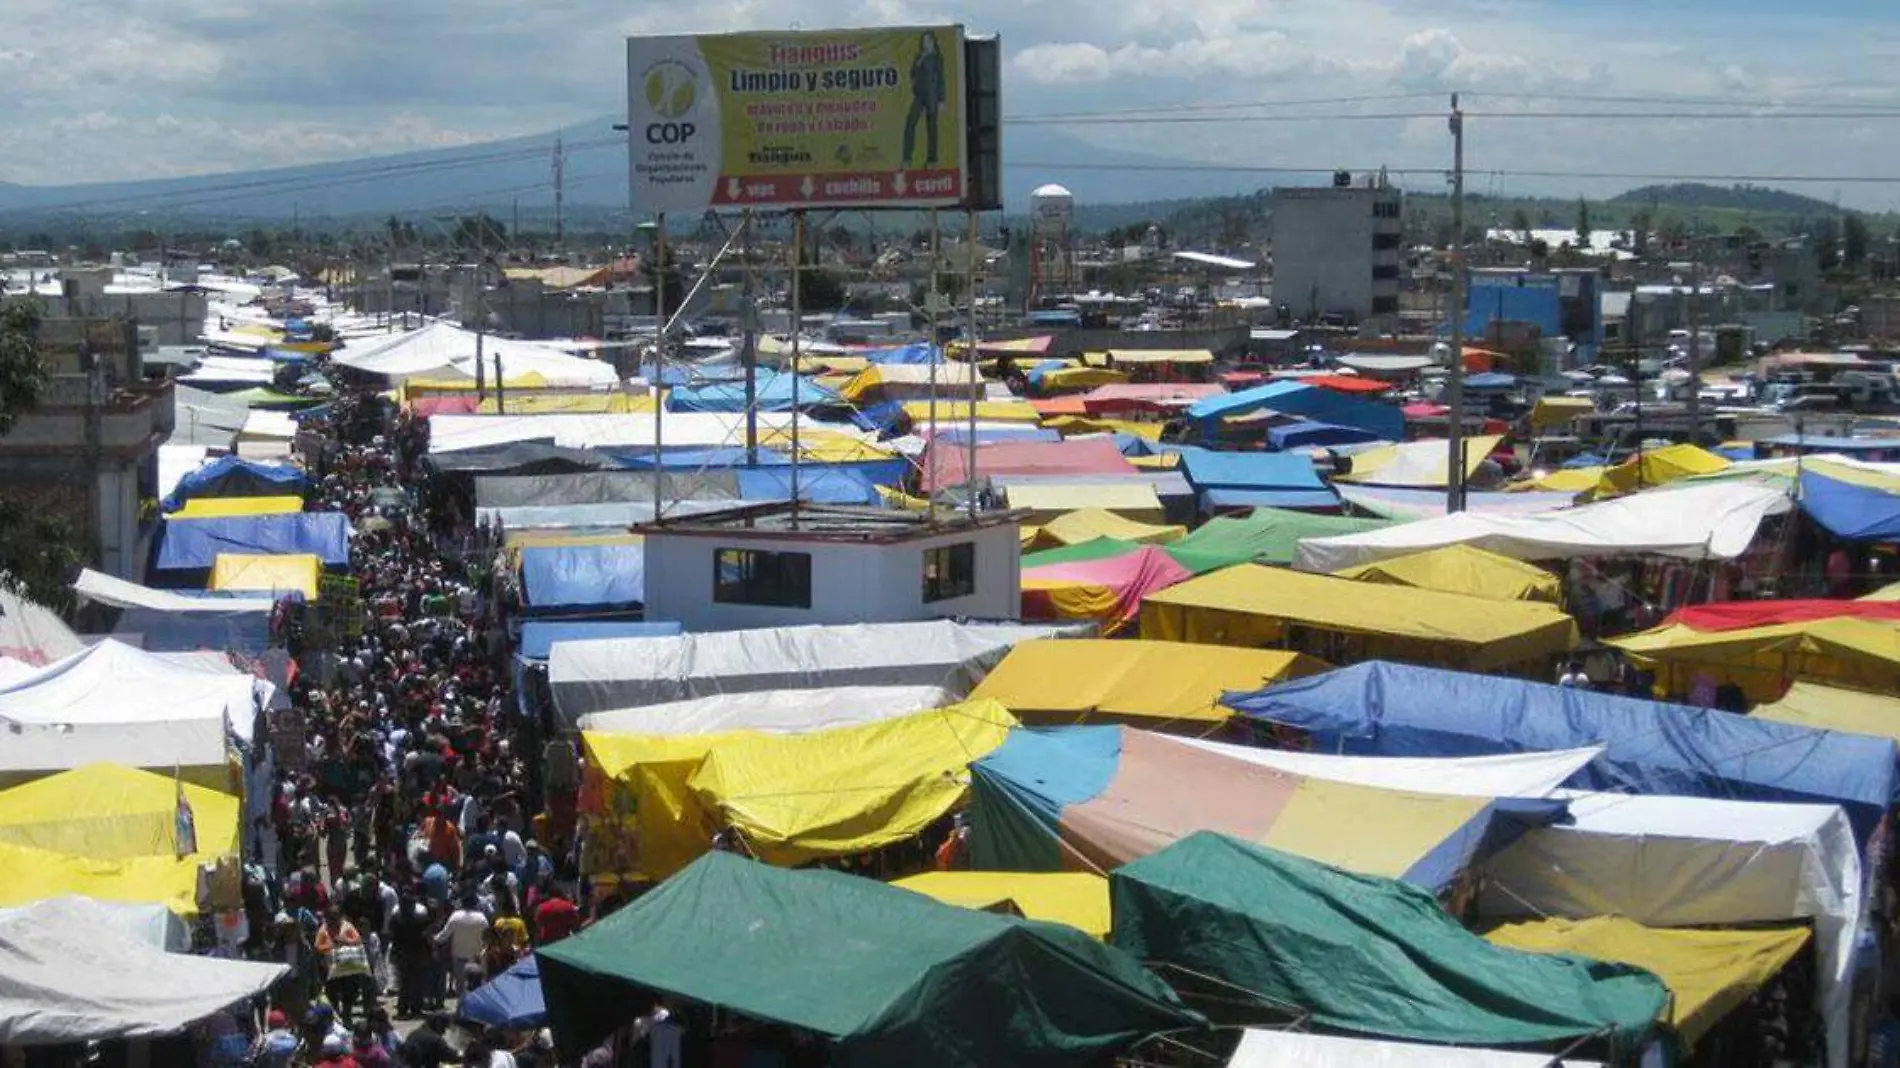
{"points": [[417, 854]]}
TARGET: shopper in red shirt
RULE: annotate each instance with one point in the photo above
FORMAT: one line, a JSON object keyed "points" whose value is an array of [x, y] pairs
{"points": [[555, 919]]}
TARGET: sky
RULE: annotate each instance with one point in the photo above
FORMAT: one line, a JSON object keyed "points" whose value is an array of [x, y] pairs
{"points": [[101, 90]]}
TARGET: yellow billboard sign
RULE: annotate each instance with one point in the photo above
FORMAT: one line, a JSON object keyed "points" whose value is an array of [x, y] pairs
{"points": [[810, 118]]}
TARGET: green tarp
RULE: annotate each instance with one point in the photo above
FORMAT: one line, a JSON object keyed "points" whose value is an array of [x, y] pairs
{"points": [[891, 977], [1081, 552], [1268, 536], [1364, 954]]}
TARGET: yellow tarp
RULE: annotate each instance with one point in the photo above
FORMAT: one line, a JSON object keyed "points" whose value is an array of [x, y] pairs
{"points": [[815, 362], [526, 380], [542, 539], [824, 446], [112, 812], [1828, 708], [1072, 680], [833, 793], [1558, 411], [1860, 654], [535, 402], [1566, 480], [1047, 500], [37, 874], [1463, 569], [1082, 378], [1342, 621], [1166, 461], [896, 498], [1087, 524], [1029, 535], [1078, 899], [245, 571], [1070, 425], [1885, 593], [1711, 973], [641, 821], [1174, 356], [1658, 468], [226, 507], [958, 411], [1417, 463]]}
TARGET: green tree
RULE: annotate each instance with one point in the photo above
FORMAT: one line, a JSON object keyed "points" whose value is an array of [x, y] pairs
{"points": [[1854, 240], [1583, 223], [1521, 225], [820, 290], [1640, 226], [259, 243], [22, 371], [478, 231], [38, 550]]}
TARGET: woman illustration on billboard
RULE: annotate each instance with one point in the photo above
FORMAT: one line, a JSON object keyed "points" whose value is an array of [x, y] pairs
{"points": [[927, 92]]}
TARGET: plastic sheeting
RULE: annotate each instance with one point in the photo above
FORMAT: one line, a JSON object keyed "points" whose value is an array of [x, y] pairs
{"points": [[601, 487], [32, 633], [598, 676], [678, 430], [1254, 605], [1693, 862], [1463, 569], [109, 812], [1658, 467], [195, 544], [244, 572], [1073, 680], [947, 464], [446, 351], [1418, 464], [229, 476], [1849, 511], [1107, 591], [1380, 709], [152, 925], [1383, 421], [1393, 502], [1829, 708], [232, 507], [771, 712], [538, 636], [1510, 775], [113, 685], [69, 975], [775, 392], [1268, 536], [1087, 524], [1307, 434], [1762, 660], [1075, 898], [1715, 521], [1285, 1049], [1133, 502], [583, 576], [511, 1000]]}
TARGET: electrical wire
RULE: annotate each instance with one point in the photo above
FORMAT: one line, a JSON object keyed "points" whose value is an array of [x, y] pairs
{"points": [[1160, 109], [1395, 116], [1627, 176]]}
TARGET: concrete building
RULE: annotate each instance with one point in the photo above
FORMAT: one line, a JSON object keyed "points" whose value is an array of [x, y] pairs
{"points": [[768, 566], [1337, 251], [88, 452], [1529, 309]]}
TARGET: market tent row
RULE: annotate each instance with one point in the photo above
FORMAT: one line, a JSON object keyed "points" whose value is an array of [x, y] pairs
{"points": [[883, 974], [1856, 653], [1075, 898], [772, 711], [231, 476], [1463, 569], [1829, 708], [1093, 798], [188, 545], [33, 634], [276, 575], [1306, 402], [582, 578], [1108, 591], [1140, 683]]}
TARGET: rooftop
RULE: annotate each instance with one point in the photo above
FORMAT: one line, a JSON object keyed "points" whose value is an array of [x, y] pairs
{"points": [[781, 519]]}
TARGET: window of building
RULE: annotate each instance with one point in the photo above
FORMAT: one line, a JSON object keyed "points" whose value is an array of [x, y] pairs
{"points": [[1385, 209], [1384, 271], [1386, 242], [1385, 305], [754, 576], [949, 571]]}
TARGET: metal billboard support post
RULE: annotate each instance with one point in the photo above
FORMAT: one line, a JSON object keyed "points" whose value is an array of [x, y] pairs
{"points": [[930, 323], [749, 350], [798, 329], [976, 379], [659, 362], [1455, 388]]}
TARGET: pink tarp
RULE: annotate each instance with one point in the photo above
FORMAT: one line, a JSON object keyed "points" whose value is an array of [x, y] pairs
{"points": [[1108, 590], [1154, 396], [947, 463]]}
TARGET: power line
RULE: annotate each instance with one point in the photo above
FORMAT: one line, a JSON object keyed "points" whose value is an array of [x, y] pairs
{"points": [[1629, 176], [1160, 109], [1364, 116], [1666, 99]]}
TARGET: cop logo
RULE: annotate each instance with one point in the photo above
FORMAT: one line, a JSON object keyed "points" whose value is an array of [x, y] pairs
{"points": [[672, 93]]}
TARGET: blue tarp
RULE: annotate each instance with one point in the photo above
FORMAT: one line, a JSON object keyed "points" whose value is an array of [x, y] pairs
{"points": [[1306, 402], [1311, 434], [1042, 368], [774, 394], [511, 1000], [194, 544], [583, 576], [1738, 453], [1853, 512], [1490, 380], [1586, 459], [829, 484], [1383, 709], [539, 635], [692, 459], [920, 352], [1003, 433], [1820, 443], [158, 631], [228, 476], [1250, 471], [1214, 499]]}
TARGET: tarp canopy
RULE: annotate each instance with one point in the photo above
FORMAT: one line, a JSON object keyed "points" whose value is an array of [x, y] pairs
{"points": [[947, 464], [113, 685], [1859, 653], [521, 458], [1397, 502], [1695, 522], [1075, 680], [583, 576], [1130, 502], [1092, 798], [883, 973], [1383, 421], [771, 711], [1280, 1049], [1364, 954], [1829, 708], [1696, 862], [511, 1000], [1658, 467], [1510, 775], [70, 975], [1268, 536], [539, 635], [774, 392], [1849, 511], [677, 430], [1250, 472], [443, 350], [1250, 605], [160, 927], [601, 675], [244, 572], [228, 507], [111, 812], [229, 476], [1381, 709], [38, 875], [1710, 973], [602, 487], [1147, 396], [195, 544], [32, 633], [909, 381], [1463, 569], [1417, 464], [1108, 591], [1078, 899], [1307, 434], [1087, 524], [1742, 615]]}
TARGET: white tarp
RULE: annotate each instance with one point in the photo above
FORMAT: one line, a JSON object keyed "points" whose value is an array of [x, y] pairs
{"points": [[33, 749], [1297, 1049], [1688, 861], [175, 461], [774, 712], [1398, 502], [444, 350], [232, 370], [631, 430], [117, 593], [113, 684], [151, 925], [265, 425], [68, 974], [1694, 522], [31, 633], [12, 671], [596, 676], [1510, 775]]}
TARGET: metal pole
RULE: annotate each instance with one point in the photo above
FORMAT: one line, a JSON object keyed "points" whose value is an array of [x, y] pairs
{"points": [[659, 361], [798, 325], [1455, 389], [970, 341], [749, 345], [481, 327], [1695, 342], [930, 323]]}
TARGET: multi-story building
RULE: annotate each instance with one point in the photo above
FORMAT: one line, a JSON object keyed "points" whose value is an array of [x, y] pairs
{"points": [[1338, 251]]}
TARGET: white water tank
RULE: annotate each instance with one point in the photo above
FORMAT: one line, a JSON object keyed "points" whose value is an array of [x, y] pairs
{"points": [[1051, 210]]}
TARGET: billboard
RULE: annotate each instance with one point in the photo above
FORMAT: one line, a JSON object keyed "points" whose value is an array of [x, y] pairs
{"points": [[825, 118]]}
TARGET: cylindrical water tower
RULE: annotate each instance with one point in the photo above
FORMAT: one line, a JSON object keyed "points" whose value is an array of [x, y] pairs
{"points": [[1052, 248]]}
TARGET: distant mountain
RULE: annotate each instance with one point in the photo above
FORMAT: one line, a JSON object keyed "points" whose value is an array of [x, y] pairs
{"points": [[494, 174], [1736, 197]]}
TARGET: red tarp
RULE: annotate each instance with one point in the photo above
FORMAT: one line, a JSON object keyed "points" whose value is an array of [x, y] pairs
{"points": [[1346, 383], [1425, 410], [428, 404], [1238, 380], [1741, 615], [1051, 407], [1147, 396], [948, 465], [1084, 589]]}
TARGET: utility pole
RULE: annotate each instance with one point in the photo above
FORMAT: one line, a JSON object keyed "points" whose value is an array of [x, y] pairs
{"points": [[1695, 341], [749, 352], [1455, 385], [560, 192]]}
